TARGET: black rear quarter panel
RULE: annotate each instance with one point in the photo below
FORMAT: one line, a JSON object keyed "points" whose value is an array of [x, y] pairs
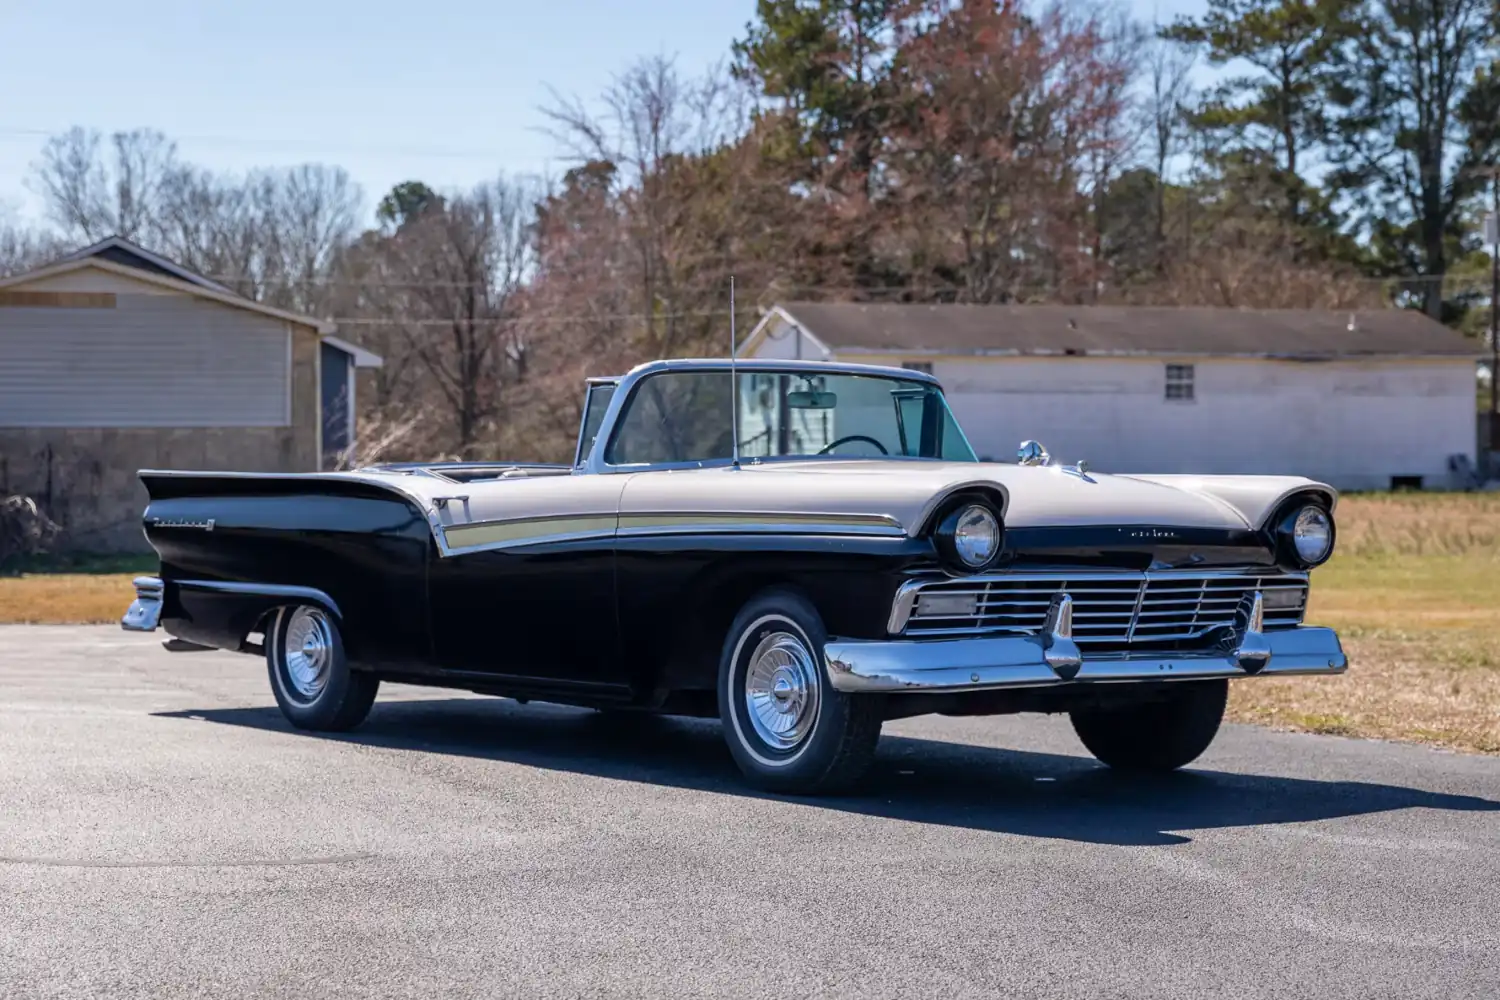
{"points": [[369, 553]]}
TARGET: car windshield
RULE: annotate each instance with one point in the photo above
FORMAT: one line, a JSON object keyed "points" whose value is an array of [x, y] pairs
{"points": [[684, 416]]}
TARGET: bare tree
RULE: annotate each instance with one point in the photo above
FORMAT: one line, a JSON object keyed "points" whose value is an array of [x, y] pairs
{"points": [[306, 217], [459, 272], [274, 236], [1168, 74], [1116, 131], [654, 142], [23, 248], [209, 225], [92, 189]]}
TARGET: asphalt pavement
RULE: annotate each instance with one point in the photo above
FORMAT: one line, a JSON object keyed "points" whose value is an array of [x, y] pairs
{"points": [[164, 834]]}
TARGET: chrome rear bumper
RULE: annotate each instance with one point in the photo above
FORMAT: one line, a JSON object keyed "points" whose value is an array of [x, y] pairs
{"points": [[145, 611], [1052, 658]]}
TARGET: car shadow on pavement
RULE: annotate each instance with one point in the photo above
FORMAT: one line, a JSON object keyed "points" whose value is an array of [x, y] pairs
{"points": [[917, 780]]}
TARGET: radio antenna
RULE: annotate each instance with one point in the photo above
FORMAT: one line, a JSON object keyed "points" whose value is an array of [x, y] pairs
{"points": [[734, 383]]}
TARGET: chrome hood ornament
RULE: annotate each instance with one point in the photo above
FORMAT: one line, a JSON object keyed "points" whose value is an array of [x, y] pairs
{"points": [[1081, 470]]}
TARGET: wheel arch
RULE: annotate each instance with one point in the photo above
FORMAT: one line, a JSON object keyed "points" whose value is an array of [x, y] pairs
{"points": [[698, 640], [224, 614]]}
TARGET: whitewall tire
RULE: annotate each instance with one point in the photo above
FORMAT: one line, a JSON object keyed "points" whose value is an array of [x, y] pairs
{"points": [[310, 675], [787, 728]]}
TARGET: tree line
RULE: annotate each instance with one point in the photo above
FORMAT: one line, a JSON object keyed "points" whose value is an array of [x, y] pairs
{"points": [[978, 151]]}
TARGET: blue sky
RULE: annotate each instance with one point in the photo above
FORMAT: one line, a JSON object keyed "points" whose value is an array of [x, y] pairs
{"points": [[442, 91]]}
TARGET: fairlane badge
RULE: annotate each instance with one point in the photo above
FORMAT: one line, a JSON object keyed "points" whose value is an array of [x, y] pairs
{"points": [[184, 522]]}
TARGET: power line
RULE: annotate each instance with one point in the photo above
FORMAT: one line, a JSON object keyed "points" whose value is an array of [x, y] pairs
{"points": [[926, 287], [294, 144], [541, 317]]}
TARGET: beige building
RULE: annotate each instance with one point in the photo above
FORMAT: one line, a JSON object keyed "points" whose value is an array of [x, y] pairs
{"points": [[114, 359]]}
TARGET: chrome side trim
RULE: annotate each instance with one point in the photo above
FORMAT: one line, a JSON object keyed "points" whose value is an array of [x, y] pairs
{"points": [[145, 611], [986, 664], [759, 522], [262, 590], [481, 536]]}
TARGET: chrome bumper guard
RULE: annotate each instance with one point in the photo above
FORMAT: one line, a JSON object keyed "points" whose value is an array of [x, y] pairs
{"points": [[1052, 658], [145, 611]]}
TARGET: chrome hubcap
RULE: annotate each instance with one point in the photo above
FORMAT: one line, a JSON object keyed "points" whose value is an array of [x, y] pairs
{"points": [[307, 651], [781, 690]]}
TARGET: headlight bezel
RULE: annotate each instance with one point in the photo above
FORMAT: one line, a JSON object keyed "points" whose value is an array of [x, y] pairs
{"points": [[946, 536], [1286, 532]]}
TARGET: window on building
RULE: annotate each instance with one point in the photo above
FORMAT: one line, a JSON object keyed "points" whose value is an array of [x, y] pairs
{"points": [[918, 366], [1180, 382]]}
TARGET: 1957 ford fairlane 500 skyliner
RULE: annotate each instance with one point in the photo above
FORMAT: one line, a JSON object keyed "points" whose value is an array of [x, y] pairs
{"points": [[803, 549]]}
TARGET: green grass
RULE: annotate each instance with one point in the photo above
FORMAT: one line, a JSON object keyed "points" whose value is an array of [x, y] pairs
{"points": [[1414, 590], [87, 563]]}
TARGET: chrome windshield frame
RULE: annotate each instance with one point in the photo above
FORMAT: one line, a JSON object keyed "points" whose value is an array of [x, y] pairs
{"points": [[625, 389]]}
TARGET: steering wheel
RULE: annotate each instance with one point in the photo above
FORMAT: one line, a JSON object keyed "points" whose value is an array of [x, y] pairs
{"points": [[854, 437]]}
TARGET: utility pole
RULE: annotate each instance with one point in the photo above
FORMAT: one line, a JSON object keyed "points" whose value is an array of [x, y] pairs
{"points": [[1492, 237], [1492, 234]]}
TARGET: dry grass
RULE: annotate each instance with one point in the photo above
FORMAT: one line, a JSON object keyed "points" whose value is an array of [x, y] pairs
{"points": [[1414, 591], [64, 598], [1415, 594]]}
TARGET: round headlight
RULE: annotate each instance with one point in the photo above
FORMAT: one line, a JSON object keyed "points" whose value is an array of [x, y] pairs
{"points": [[976, 535], [1312, 535]]}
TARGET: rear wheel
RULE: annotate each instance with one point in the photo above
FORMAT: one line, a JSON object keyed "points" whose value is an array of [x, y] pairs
{"points": [[787, 728], [310, 675], [1158, 736]]}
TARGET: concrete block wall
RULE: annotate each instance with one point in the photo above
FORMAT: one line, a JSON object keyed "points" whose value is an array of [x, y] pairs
{"points": [[85, 478]]}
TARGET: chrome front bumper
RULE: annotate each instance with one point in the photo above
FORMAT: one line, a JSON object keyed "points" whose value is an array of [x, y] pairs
{"points": [[1052, 658], [1016, 662]]}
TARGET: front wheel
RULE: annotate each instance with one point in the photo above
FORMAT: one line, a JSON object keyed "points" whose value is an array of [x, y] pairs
{"points": [[1158, 736], [310, 676], [786, 726]]}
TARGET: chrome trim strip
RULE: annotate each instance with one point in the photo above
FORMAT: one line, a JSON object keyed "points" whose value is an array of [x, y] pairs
{"points": [[482, 536], [626, 384], [987, 664], [262, 590], [526, 531], [1140, 599], [904, 604], [746, 521]]}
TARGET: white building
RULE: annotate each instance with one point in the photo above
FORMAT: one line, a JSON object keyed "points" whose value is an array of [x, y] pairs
{"points": [[1363, 400]]}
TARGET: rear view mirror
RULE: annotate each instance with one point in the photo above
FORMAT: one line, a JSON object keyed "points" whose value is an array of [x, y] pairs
{"points": [[812, 400]]}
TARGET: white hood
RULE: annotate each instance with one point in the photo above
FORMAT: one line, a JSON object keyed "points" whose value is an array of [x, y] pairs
{"points": [[907, 492]]}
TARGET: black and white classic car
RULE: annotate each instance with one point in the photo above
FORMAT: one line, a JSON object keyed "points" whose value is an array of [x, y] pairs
{"points": [[804, 550]]}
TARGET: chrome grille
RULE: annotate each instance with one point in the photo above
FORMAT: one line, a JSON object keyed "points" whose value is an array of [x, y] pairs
{"points": [[1141, 608]]}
